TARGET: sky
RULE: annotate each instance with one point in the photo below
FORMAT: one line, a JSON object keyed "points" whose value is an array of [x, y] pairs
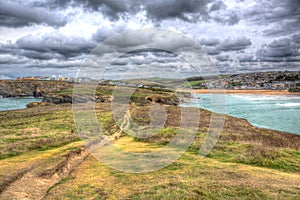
{"points": [[54, 37]]}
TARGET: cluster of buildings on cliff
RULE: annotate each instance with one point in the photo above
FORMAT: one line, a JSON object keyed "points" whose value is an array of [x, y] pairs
{"points": [[259, 80], [52, 78]]}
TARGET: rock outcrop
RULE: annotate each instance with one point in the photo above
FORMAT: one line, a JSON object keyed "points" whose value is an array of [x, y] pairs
{"points": [[67, 98], [16, 88], [37, 104], [167, 100]]}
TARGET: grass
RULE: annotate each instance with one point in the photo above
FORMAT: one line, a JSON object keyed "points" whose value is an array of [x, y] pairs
{"points": [[190, 177], [276, 158], [246, 163], [40, 160], [43, 128], [192, 83]]}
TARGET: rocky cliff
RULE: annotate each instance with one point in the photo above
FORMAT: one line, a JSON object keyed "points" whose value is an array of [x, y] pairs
{"points": [[16, 88], [67, 98]]}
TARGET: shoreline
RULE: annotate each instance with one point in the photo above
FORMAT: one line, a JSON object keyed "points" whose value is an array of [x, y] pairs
{"points": [[264, 92], [249, 92]]}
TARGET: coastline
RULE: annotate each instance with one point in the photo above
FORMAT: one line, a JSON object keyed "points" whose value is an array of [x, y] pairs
{"points": [[264, 92], [283, 101]]}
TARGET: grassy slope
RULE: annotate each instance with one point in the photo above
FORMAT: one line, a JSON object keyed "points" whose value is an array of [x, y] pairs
{"points": [[190, 177], [247, 162]]}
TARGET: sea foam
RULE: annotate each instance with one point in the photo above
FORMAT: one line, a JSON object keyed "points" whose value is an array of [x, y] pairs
{"points": [[288, 104]]}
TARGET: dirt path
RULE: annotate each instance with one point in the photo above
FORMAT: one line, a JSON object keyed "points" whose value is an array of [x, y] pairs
{"points": [[35, 186], [107, 139]]}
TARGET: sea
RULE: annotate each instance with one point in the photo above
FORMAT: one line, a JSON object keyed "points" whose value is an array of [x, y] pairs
{"points": [[16, 103], [277, 112]]}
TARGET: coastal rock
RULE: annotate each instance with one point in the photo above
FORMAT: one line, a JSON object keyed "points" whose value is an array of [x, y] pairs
{"points": [[103, 98], [37, 104], [167, 100], [57, 99], [15, 88], [66, 98]]}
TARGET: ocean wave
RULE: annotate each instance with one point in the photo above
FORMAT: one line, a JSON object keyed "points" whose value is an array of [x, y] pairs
{"points": [[288, 104], [265, 97]]}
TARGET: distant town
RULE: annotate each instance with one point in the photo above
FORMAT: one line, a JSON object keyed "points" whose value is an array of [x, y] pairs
{"points": [[280, 80], [260, 80], [52, 78]]}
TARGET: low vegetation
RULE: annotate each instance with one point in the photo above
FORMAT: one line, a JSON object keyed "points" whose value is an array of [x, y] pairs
{"points": [[246, 163]]}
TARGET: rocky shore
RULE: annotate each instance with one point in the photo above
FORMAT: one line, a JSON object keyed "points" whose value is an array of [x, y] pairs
{"points": [[14, 88], [60, 92], [67, 98], [257, 92]]}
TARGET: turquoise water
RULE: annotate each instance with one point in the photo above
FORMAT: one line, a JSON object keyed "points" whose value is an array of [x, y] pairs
{"points": [[266, 111], [16, 103]]}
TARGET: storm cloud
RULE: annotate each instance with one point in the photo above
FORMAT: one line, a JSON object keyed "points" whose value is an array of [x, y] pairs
{"points": [[56, 43], [14, 14], [284, 49], [55, 36], [234, 44]]}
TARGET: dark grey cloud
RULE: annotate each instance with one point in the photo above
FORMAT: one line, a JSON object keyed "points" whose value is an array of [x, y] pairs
{"points": [[220, 13], [42, 55], [282, 28], [112, 8], [273, 11], [39, 69], [246, 58], [6, 58], [283, 15], [209, 42], [53, 4], [279, 50], [156, 10], [191, 10], [209, 45], [211, 50], [149, 56], [296, 38], [215, 47], [56, 43], [10, 21], [223, 57], [149, 63], [273, 31], [231, 19], [149, 38], [14, 55], [15, 14], [50, 11], [50, 51], [234, 44], [104, 33], [293, 59], [159, 10]]}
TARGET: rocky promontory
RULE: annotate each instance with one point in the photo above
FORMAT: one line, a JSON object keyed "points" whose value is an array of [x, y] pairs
{"points": [[68, 98], [16, 88]]}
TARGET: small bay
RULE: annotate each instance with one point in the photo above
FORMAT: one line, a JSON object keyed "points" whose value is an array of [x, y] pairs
{"points": [[16, 103], [277, 112]]}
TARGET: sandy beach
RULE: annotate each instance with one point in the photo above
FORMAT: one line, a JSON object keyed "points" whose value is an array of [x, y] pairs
{"points": [[265, 92]]}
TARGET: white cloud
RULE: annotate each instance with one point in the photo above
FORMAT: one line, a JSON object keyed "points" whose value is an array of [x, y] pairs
{"points": [[54, 34]]}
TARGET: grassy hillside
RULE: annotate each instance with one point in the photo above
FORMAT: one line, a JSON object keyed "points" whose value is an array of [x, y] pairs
{"points": [[38, 144]]}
